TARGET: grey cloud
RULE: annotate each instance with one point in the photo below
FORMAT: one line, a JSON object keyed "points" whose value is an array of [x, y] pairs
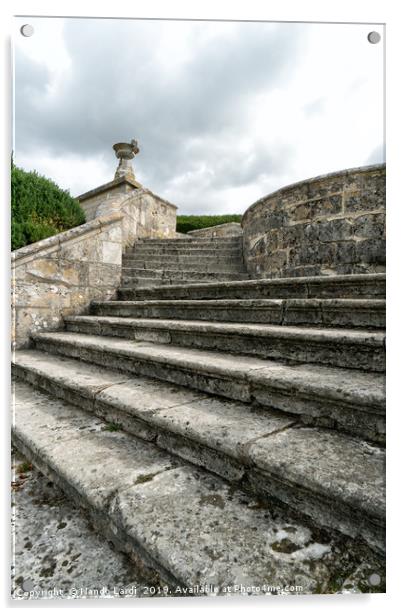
{"points": [[117, 89]]}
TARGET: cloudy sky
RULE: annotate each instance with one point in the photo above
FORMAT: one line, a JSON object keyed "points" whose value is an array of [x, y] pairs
{"points": [[224, 112]]}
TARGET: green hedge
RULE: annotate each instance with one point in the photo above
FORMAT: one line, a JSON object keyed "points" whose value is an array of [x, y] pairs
{"points": [[190, 223], [39, 208]]}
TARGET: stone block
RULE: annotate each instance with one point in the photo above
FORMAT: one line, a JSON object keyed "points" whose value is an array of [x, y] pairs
{"points": [[88, 250], [111, 233], [41, 295], [277, 260], [326, 207], [345, 252], [30, 320], [312, 254], [364, 200], [275, 219], [302, 211], [371, 251], [103, 275], [370, 226], [111, 252], [335, 230], [324, 187]]}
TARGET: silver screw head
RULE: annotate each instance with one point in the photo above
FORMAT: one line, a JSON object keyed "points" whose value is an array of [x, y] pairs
{"points": [[27, 30], [374, 37]]}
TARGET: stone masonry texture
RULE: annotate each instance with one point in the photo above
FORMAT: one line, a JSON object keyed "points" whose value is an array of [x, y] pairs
{"points": [[332, 224], [61, 275]]}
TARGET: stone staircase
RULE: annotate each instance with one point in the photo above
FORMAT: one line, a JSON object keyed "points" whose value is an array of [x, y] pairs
{"points": [[228, 432], [183, 261]]}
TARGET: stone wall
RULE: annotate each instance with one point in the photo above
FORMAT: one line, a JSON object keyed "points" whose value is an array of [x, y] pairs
{"points": [[147, 215], [228, 229], [115, 190], [333, 224], [62, 274]]}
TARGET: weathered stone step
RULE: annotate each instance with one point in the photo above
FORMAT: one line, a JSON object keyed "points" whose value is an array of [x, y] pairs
{"points": [[185, 253], [193, 264], [183, 266], [191, 528], [348, 400], [345, 348], [263, 452], [131, 275], [366, 313], [348, 286], [218, 241]]}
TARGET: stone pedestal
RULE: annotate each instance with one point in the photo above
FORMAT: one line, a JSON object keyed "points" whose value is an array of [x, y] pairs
{"points": [[112, 191], [100, 200]]}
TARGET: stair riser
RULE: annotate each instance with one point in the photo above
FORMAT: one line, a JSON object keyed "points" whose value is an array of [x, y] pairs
{"points": [[214, 460], [177, 276], [277, 314], [193, 265], [329, 289], [319, 509], [184, 251], [343, 355], [223, 242], [359, 419], [183, 254], [241, 472]]}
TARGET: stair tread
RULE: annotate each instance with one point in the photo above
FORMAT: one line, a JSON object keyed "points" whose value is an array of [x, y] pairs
{"points": [[224, 425], [327, 382], [303, 280], [231, 427], [310, 334], [138, 478], [342, 303], [269, 283]]}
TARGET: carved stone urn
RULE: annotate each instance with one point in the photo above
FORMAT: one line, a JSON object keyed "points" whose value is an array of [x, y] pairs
{"points": [[125, 152]]}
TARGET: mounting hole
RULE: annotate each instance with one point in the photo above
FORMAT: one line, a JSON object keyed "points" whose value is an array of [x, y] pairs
{"points": [[374, 579], [27, 30], [374, 37]]}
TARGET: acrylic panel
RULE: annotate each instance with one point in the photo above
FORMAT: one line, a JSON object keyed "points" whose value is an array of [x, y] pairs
{"points": [[198, 292]]}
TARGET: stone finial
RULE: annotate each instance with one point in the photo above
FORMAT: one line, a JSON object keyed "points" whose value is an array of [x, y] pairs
{"points": [[125, 152]]}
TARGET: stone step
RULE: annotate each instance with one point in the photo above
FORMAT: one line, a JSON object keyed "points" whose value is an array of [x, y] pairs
{"points": [[183, 266], [218, 241], [131, 275], [194, 264], [366, 313], [348, 400], [148, 251], [347, 286], [263, 452], [344, 348], [185, 526]]}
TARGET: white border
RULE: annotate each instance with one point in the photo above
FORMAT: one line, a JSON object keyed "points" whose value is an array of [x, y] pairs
{"points": [[368, 11]]}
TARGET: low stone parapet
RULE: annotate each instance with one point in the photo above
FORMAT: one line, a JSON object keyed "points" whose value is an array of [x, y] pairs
{"points": [[332, 224], [228, 229], [62, 274]]}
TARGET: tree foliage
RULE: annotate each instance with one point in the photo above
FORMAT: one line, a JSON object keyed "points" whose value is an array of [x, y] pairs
{"points": [[39, 208]]}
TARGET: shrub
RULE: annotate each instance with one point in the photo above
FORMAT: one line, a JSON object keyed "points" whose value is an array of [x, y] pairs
{"points": [[39, 208], [190, 223]]}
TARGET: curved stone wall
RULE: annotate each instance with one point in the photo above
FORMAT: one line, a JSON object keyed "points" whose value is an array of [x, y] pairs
{"points": [[332, 224]]}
